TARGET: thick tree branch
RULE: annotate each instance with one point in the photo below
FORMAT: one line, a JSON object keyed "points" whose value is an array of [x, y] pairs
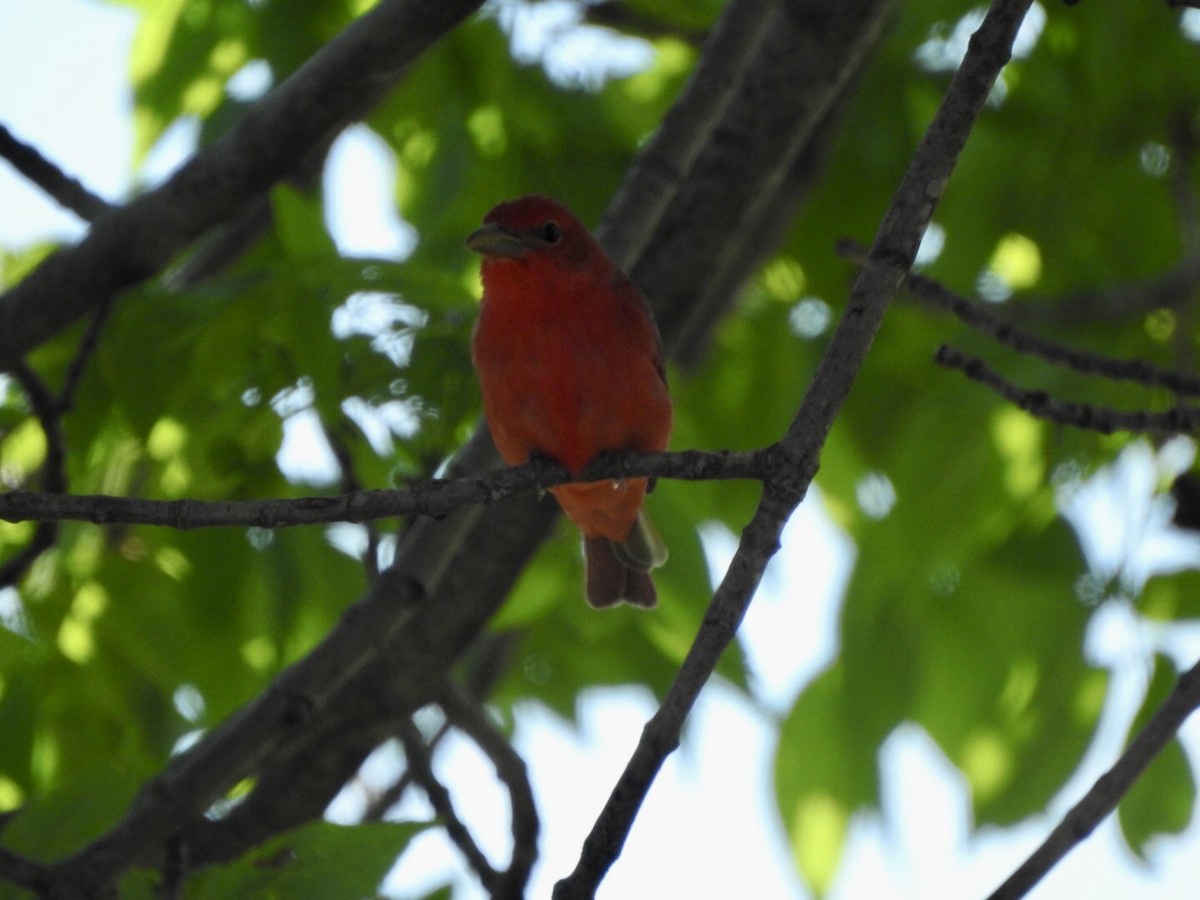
{"points": [[891, 256], [1108, 790], [810, 53], [197, 778], [132, 243], [23, 872], [686, 129]]}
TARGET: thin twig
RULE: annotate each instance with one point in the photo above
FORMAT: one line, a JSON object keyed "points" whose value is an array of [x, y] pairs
{"points": [[379, 804], [1177, 420], [68, 192], [54, 472], [1108, 790], [83, 355], [350, 483], [466, 714], [486, 664], [981, 319], [417, 756], [891, 256]]}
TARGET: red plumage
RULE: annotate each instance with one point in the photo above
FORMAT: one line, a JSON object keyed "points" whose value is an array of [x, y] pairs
{"points": [[571, 366]]}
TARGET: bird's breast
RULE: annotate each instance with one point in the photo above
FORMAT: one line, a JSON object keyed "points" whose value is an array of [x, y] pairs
{"points": [[569, 382]]}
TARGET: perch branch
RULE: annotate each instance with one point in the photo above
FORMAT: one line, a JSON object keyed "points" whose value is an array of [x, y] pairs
{"points": [[1108, 790], [1063, 412], [891, 256], [433, 498]]}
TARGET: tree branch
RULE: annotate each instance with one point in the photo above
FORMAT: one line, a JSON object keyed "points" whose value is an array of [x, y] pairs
{"points": [[194, 780], [487, 660], [21, 871], [975, 315], [810, 53], [891, 255], [1108, 790], [46, 410], [68, 192], [466, 714], [416, 755], [667, 158], [132, 243], [1177, 420], [433, 498]]}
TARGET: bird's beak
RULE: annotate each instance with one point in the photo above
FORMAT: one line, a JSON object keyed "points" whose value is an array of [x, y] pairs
{"points": [[494, 241]]}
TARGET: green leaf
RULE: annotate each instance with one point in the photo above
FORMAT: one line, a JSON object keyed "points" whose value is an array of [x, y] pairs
{"points": [[1171, 597], [1162, 800], [321, 861], [183, 55], [300, 225], [823, 774]]}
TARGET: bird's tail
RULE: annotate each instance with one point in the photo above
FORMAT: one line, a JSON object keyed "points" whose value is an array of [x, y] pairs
{"points": [[620, 572]]}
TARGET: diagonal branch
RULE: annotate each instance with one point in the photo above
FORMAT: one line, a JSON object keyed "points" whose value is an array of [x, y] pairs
{"points": [[136, 241], [68, 192], [891, 256], [1108, 790], [665, 161], [811, 53]]}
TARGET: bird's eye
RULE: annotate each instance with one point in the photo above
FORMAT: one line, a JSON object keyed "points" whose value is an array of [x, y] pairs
{"points": [[551, 233]]}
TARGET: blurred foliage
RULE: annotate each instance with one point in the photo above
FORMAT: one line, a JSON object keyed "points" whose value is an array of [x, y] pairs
{"points": [[961, 614]]}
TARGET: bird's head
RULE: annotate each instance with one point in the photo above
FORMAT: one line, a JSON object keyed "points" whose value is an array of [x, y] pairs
{"points": [[535, 230]]}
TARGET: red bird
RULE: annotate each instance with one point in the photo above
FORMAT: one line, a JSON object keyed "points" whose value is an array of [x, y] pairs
{"points": [[571, 366]]}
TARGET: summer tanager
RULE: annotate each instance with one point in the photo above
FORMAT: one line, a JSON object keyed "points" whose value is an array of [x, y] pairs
{"points": [[571, 367]]}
